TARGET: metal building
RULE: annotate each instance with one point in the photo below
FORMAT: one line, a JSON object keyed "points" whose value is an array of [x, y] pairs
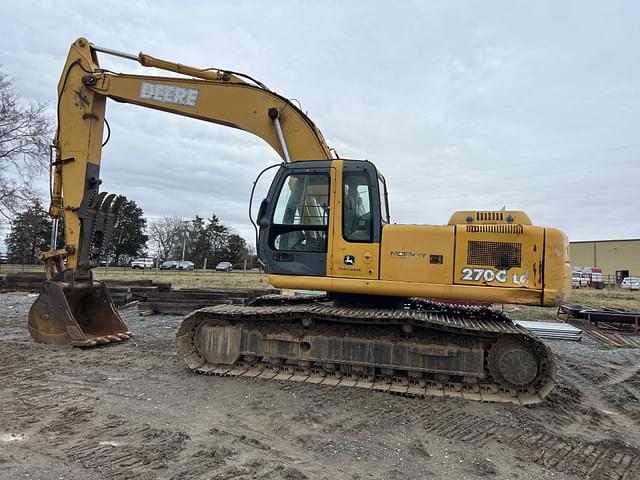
{"points": [[610, 255]]}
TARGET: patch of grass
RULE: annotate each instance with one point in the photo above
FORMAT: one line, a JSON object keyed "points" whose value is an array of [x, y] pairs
{"points": [[178, 278], [606, 298], [12, 268], [191, 279]]}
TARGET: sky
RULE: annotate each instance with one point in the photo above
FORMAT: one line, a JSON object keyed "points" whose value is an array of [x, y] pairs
{"points": [[462, 105]]}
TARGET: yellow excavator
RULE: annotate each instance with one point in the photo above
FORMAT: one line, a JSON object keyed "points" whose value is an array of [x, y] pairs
{"points": [[407, 307]]}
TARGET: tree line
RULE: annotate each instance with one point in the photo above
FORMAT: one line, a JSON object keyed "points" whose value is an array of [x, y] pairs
{"points": [[205, 242], [25, 130]]}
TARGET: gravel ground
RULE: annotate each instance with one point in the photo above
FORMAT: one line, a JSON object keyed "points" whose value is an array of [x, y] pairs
{"points": [[131, 410]]}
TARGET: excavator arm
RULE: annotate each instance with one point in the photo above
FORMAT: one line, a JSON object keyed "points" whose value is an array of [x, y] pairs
{"points": [[72, 307]]}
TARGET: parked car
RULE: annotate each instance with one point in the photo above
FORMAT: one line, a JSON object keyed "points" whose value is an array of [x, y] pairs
{"points": [[632, 283], [108, 262], [224, 267], [169, 265], [142, 263], [185, 265], [579, 281]]}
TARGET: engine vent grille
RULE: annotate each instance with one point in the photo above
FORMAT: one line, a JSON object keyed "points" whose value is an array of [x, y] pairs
{"points": [[508, 229], [495, 254], [489, 216]]}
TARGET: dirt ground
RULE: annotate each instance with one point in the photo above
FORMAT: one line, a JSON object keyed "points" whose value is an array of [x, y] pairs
{"points": [[131, 410]]}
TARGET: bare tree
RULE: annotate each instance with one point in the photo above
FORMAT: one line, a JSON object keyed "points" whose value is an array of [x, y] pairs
{"points": [[25, 130], [165, 234]]}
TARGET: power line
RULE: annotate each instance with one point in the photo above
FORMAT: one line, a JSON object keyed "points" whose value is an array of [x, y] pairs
{"points": [[597, 194], [577, 155], [509, 189], [573, 155], [527, 177]]}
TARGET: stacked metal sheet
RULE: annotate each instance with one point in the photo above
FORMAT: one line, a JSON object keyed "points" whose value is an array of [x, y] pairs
{"points": [[553, 330]]}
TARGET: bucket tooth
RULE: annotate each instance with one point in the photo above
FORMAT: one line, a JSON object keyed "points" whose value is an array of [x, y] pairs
{"points": [[83, 343]]}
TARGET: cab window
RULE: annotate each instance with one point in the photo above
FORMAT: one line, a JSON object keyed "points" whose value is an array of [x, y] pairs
{"points": [[301, 213], [384, 204], [357, 225]]}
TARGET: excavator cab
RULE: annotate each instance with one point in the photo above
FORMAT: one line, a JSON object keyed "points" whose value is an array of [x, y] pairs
{"points": [[313, 208]]}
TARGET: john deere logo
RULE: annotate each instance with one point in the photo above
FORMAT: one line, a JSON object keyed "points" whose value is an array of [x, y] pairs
{"points": [[349, 260]]}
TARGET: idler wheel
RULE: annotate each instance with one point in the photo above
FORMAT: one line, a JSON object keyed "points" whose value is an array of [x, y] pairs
{"points": [[513, 363]]}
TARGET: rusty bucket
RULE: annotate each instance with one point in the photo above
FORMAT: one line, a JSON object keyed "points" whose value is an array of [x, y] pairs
{"points": [[81, 315]]}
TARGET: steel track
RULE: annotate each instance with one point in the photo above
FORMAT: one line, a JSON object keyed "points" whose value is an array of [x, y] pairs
{"points": [[457, 325]]}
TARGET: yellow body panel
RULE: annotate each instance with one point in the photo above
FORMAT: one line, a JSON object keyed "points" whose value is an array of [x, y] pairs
{"points": [[411, 253], [557, 267], [475, 267]]}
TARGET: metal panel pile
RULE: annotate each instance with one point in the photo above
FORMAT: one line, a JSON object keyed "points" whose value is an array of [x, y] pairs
{"points": [[122, 291], [23, 282], [617, 320], [120, 295], [185, 300], [614, 340], [139, 289], [622, 321], [552, 330], [614, 327]]}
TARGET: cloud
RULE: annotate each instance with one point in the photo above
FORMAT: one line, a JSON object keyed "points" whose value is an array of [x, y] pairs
{"points": [[461, 105]]}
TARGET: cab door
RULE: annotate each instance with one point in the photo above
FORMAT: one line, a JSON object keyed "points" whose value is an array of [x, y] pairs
{"points": [[356, 221]]}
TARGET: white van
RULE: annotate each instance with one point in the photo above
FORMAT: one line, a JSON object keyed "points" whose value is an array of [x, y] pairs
{"points": [[579, 281], [142, 263], [632, 283]]}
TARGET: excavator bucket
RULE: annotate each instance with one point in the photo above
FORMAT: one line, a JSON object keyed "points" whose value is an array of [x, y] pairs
{"points": [[77, 315]]}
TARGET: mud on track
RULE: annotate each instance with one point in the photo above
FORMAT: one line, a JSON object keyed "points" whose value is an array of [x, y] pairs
{"points": [[131, 410]]}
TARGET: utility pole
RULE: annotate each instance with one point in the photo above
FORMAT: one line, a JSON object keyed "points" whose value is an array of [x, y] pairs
{"points": [[184, 240]]}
